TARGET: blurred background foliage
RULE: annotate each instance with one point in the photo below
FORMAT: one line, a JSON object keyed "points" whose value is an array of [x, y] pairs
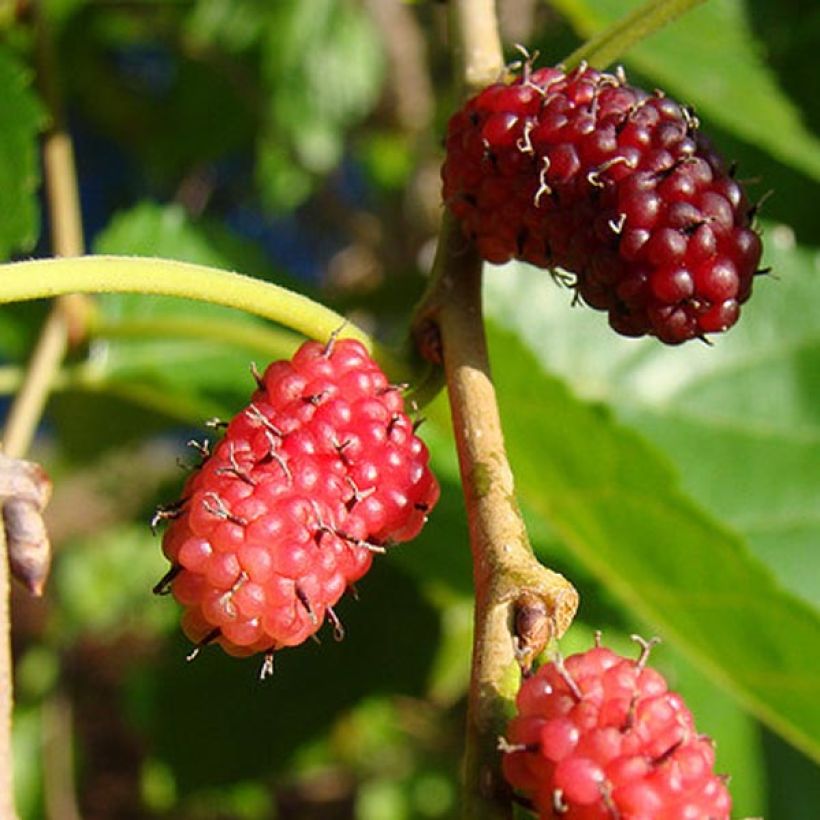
{"points": [[299, 141]]}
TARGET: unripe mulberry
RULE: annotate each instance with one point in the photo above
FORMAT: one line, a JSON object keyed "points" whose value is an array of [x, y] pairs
{"points": [[585, 173], [599, 736], [320, 471]]}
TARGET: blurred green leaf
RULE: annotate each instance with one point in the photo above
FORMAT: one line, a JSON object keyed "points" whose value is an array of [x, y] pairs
{"points": [[728, 82], [617, 504], [627, 30], [323, 66], [740, 419], [21, 118], [440, 555], [111, 414], [284, 184], [389, 158], [153, 229], [103, 585], [28, 762], [135, 83], [794, 784], [152, 355], [788, 32], [391, 637], [36, 673], [235, 25]]}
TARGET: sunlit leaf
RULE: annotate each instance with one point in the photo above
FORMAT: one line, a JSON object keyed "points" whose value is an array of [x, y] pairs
{"points": [[739, 418], [617, 505]]}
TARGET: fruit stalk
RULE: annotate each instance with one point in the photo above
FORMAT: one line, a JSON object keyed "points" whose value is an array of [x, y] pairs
{"points": [[43, 278], [613, 41], [519, 604], [476, 44]]}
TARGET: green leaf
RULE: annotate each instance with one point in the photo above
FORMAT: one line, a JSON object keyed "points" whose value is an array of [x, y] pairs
{"points": [[616, 503], [236, 25], [323, 66], [186, 359], [740, 419], [391, 637], [27, 733], [152, 229], [710, 59], [102, 585], [21, 118]]}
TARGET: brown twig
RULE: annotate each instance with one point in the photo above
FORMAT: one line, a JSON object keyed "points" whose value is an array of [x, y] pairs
{"points": [[508, 579], [6, 694], [65, 321], [513, 591], [410, 89]]}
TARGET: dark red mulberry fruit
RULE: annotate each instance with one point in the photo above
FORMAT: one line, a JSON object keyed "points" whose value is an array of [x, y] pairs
{"points": [[320, 471], [600, 736], [583, 172]]}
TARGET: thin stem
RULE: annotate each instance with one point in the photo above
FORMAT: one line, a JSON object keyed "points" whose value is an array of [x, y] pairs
{"points": [[28, 404], [476, 43], [509, 581], [27, 408], [506, 573], [6, 691], [615, 40], [42, 278]]}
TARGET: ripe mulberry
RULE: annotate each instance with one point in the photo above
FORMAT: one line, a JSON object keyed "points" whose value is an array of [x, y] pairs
{"points": [[616, 186], [320, 471]]}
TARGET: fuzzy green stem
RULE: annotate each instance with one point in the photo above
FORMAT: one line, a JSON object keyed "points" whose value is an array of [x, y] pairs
{"points": [[44, 278], [615, 40]]}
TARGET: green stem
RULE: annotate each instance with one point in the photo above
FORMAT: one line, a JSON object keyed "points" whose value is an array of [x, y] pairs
{"points": [[43, 278], [615, 40]]}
